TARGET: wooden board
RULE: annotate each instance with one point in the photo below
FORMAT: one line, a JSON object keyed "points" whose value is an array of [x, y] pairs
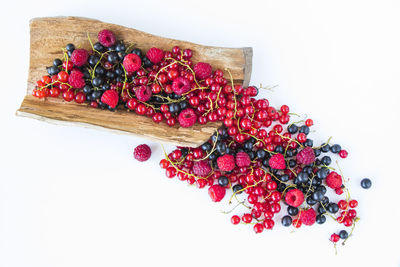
{"points": [[49, 35]]}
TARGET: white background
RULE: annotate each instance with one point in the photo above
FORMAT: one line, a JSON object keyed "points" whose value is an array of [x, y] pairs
{"points": [[75, 197]]}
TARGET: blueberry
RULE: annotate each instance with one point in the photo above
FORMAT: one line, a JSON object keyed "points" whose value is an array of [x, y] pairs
{"points": [[97, 81], [120, 47], [53, 70], [174, 108], [93, 59], [112, 57], [206, 146], [332, 207], [311, 201], [292, 163], [87, 89], [96, 94], [322, 189], [284, 178], [118, 71], [343, 234], [223, 181], [279, 149], [322, 173], [320, 219], [325, 200], [146, 62], [184, 105], [326, 160], [325, 147], [317, 152], [317, 195], [366, 183], [292, 211], [286, 220], [236, 188], [304, 129], [321, 209], [248, 145], [221, 147], [110, 74], [252, 155], [302, 177], [261, 153], [100, 70], [292, 129], [137, 51], [70, 47], [335, 148], [309, 143], [99, 47], [57, 62]]}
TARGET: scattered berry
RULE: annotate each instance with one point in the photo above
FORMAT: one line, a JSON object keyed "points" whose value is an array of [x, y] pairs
{"points": [[216, 193], [366, 183], [142, 152], [334, 180]]}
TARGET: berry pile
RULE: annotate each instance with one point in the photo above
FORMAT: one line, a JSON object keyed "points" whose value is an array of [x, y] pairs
{"points": [[269, 165], [164, 85]]}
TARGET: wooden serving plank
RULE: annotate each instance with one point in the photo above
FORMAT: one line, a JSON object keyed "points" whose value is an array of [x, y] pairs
{"points": [[49, 35]]}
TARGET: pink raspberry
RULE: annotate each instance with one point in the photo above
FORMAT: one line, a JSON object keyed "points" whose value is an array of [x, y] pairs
{"points": [[110, 97], [216, 192], [75, 79], [294, 197], [334, 180], [155, 55], [306, 156], [180, 85], [277, 162], [142, 152], [202, 70], [308, 216], [226, 163], [242, 159], [106, 38], [201, 168], [187, 118], [132, 62], [143, 93], [79, 57]]}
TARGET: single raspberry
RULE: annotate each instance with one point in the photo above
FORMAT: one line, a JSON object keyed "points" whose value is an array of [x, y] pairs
{"points": [[106, 38], [143, 93], [334, 180], [110, 97], [242, 159], [277, 162], [216, 192], [132, 62], [180, 85], [226, 163], [75, 79], [142, 152], [306, 156], [294, 197], [308, 216], [187, 118], [201, 168], [155, 55], [202, 70], [79, 57]]}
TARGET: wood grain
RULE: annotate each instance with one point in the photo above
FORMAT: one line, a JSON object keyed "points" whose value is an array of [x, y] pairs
{"points": [[49, 35]]}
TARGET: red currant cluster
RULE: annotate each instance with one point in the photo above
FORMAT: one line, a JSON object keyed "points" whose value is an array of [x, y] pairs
{"points": [[164, 85], [273, 162]]}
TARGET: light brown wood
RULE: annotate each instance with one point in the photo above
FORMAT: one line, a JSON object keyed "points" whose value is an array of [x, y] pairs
{"points": [[49, 35]]}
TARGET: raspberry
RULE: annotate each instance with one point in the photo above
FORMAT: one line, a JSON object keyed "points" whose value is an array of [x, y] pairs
{"points": [[308, 216], [143, 93], [242, 159], [277, 162], [187, 118], [110, 97], [142, 152], [306, 156], [75, 79], [180, 85], [334, 180], [132, 62], [201, 168], [216, 192], [226, 163], [202, 70], [106, 38], [79, 57], [155, 55], [294, 197]]}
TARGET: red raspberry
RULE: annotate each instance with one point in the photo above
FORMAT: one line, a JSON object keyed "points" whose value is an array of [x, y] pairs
{"points": [[306, 156], [106, 38], [155, 55], [132, 62], [142, 152], [180, 85], [308, 216], [242, 159], [334, 180], [226, 163], [201, 168], [277, 162], [202, 70], [110, 97], [216, 192], [76, 80], [187, 118], [143, 93], [294, 197], [79, 57]]}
